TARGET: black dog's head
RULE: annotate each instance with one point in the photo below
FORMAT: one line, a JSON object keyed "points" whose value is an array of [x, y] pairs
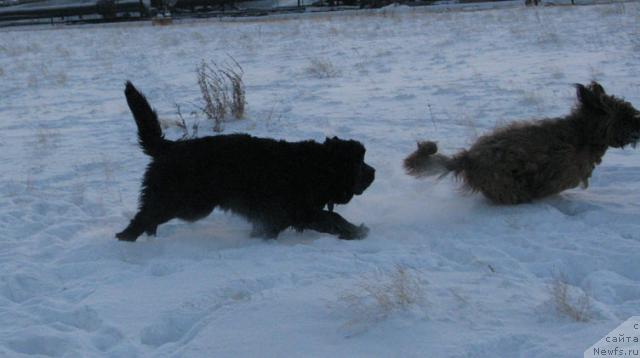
{"points": [[351, 174], [612, 120]]}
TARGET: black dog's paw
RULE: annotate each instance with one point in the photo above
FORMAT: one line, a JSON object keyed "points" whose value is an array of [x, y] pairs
{"points": [[126, 236], [363, 231], [357, 233]]}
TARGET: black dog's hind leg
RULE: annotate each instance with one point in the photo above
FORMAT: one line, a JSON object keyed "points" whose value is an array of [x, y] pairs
{"points": [[332, 223]]}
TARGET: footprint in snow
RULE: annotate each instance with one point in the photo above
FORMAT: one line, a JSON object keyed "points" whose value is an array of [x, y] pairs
{"points": [[84, 318], [21, 287], [171, 327], [38, 344]]}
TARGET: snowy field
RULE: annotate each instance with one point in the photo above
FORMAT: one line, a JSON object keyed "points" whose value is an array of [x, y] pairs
{"points": [[442, 273]]}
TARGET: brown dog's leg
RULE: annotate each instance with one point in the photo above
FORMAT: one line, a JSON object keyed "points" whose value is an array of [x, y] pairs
{"points": [[332, 223]]}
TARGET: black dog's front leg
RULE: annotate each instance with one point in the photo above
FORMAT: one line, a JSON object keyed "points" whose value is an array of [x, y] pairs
{"points": [[332, 223], [141, 223]]}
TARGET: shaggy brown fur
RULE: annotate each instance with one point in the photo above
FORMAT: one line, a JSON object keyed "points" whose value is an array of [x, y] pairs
{"points": [[529, 160]]}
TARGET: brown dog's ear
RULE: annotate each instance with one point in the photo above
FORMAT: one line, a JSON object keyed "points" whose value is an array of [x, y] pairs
{"points": [[591, 97], [596, 88]]}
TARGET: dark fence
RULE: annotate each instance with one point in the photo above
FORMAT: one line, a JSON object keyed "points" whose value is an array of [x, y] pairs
{"points": [[102, 10], [124, 10]]}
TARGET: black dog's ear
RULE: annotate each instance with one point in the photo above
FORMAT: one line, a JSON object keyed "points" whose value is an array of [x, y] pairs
{"points": [[334, 144], [329, 143], [348, 150], [591, 97]]}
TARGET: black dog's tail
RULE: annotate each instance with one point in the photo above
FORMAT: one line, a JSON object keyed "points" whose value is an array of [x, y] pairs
{"points": [[426, 162], [149, 132]]}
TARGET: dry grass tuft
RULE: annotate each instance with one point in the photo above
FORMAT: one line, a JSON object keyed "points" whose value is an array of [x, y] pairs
{"points": [[322, 68], [188, 132], [376, 297], [222, 90], [572, 303]]}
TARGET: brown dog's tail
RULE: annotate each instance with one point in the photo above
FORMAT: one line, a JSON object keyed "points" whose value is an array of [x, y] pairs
{"points": [[149, 132], [425, 161]]}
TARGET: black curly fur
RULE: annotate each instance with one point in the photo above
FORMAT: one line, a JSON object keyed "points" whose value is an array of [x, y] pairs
{"points": [[274, 184]]}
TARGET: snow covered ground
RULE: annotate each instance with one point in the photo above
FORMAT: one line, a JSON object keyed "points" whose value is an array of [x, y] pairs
{"points": [[442, 273]]}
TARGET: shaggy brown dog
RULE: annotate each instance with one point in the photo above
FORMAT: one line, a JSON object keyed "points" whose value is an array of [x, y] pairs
{"points": [[274, 184], [529, 160]]}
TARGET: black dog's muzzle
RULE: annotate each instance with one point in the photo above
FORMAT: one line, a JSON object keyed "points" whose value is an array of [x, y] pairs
{"points": [[364, 178]]}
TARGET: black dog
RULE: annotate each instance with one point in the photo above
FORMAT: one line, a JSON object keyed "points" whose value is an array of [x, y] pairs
{"points": [[274, 184], [529, 160]]}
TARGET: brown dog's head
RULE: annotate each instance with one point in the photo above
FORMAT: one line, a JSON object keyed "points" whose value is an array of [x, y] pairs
{"points": [[613, 121], [350, 175]]}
